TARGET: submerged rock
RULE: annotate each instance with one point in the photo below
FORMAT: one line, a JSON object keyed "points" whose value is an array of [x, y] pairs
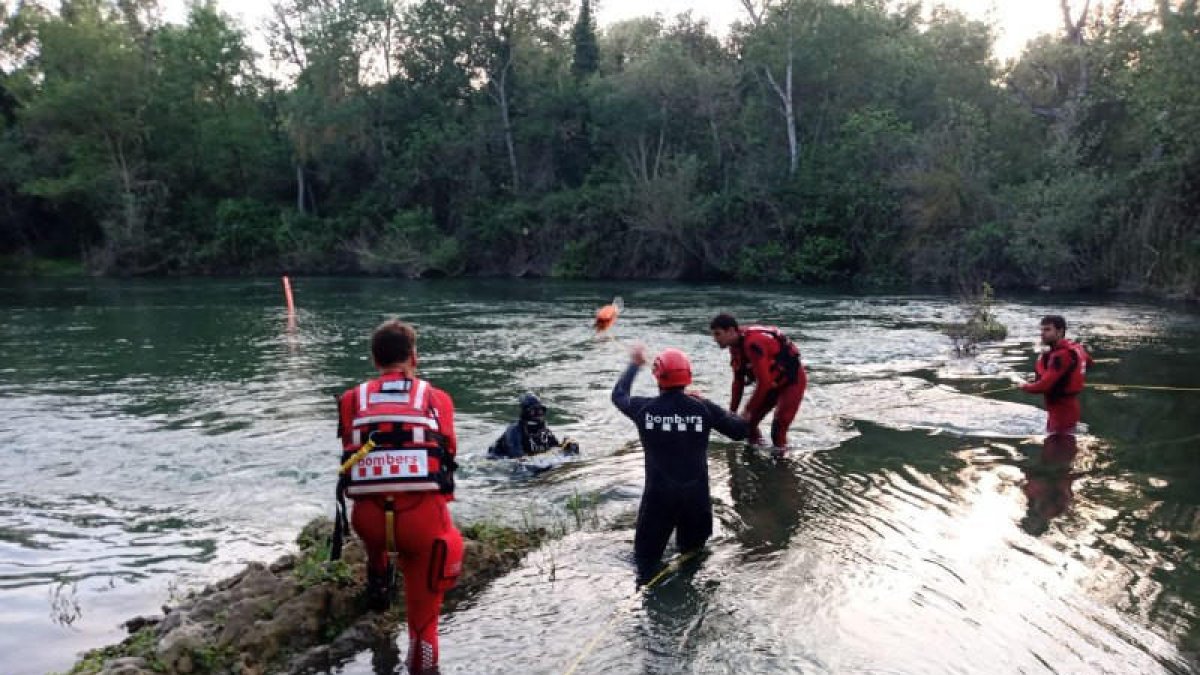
{"points": [[301, 613]]}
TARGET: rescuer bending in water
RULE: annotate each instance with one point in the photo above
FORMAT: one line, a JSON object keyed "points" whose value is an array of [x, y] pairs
{"points": [[765, 357], [529, 435], [674, 428], [1060, 376], [401, 485]]}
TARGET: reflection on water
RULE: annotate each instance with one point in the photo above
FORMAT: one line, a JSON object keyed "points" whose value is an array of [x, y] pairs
{"points": [[1048, 482], [768, 500], [160, 433]]}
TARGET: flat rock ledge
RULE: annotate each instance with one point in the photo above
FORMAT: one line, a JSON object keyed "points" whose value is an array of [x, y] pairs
{"points": [[299, 614]]}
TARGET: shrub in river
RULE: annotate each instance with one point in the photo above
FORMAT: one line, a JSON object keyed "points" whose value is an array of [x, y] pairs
{"points": [[981, 324]]}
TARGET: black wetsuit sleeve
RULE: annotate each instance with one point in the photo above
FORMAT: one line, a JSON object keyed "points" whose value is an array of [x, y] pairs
{"points": [[500, 447], [620, 392], [727, 423]]}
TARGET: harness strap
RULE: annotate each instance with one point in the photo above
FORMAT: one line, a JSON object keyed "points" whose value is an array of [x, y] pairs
{"points": [[787, 361], [404, 437], [389, 520], [1058, 391], [341, 524]]}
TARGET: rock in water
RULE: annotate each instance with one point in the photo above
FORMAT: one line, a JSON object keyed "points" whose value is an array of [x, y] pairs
{"points": [[302, 613]]}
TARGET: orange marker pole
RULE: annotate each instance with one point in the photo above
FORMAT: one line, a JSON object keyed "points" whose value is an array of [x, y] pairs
{"points": [[287, 294]]}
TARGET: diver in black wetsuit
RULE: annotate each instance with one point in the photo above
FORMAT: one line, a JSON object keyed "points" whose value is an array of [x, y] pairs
{"points": [[529, 435], [674, 428]]}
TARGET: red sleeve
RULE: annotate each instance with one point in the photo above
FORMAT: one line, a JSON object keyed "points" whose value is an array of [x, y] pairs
{"points": [[739, 384], [1055, 369], [758, 349], [346, 403], [444, 405]]}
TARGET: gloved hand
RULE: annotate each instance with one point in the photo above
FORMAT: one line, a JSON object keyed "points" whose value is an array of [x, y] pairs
{"points": [[637, 354], [570, 447]]}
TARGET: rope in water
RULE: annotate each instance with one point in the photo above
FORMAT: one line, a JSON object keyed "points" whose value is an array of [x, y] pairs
{"points": [[892, 406], [997, 390], [1118, 387], [666, 571], [683, 558]]}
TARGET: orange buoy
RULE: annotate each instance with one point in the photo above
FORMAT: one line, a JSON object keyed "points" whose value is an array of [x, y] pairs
{"points": [[607, 315], [287, 295]]}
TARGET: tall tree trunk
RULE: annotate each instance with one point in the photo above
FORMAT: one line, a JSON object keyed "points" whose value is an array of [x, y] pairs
{"points": [[300, 187], [789, 113], [128, 198], [787, 106], [506, 119]]}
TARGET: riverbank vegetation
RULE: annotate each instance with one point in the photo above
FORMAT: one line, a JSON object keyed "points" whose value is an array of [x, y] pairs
{"points": [[817, 141], [301, 614]]}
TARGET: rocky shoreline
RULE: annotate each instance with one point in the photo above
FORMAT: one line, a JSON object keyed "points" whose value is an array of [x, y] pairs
{"points": [[299, 614]]}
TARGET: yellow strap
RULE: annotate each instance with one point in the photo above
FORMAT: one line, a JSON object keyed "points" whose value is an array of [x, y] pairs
{"points": [[389, 519], [354, 459]]}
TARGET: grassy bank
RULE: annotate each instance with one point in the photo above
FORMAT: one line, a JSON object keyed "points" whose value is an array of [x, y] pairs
{"points": [[301, 613]]}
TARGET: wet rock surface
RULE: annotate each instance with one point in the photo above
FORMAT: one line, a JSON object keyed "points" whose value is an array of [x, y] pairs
{"points": [[299, 614]]}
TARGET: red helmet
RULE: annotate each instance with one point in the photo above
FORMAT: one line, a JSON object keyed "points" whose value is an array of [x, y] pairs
{"points": [[672, 369]]}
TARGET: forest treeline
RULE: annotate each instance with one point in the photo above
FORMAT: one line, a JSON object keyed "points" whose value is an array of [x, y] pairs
{"points": [[817, 141]]}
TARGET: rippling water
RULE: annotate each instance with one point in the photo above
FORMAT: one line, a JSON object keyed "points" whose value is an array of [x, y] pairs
{"points": [[160, 433]]}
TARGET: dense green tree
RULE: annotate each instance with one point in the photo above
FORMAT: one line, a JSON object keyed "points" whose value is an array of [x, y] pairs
{"points": [[583, 37], [821, 141]]}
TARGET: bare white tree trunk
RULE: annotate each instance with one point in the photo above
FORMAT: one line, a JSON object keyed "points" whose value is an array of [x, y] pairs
{"points": [[129, 207], [505, 117], [787, 104]]}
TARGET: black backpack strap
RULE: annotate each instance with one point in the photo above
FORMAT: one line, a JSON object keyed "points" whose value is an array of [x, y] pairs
{"points": [[341, 524], [1059, 388]]}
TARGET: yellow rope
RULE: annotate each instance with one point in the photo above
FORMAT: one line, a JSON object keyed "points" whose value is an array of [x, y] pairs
{"points": [[665, 572], [1147, 387], [682, 558], [986, 392], [354, 459], [892, 406]]}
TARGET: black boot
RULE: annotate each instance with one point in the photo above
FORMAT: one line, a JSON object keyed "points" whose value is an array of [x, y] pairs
{"points": [[378, 594]]}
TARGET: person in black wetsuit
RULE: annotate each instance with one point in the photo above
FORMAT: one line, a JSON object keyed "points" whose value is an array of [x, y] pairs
{"points": [[529, 435], [674, 428]]}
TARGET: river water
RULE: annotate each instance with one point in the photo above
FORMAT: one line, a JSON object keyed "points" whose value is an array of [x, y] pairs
{"points": [[158, 434]]}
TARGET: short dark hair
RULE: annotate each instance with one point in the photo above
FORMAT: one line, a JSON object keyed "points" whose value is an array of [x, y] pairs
{"points": [[723, 321], [393, 342], [1056, 321]]}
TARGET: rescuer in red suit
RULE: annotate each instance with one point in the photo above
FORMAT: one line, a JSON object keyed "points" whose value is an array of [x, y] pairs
{"points": [[765, 357], [401, 487], [1060, 376]]}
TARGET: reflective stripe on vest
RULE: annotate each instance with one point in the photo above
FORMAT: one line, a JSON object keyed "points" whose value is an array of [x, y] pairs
{"points": [[410, 455]]}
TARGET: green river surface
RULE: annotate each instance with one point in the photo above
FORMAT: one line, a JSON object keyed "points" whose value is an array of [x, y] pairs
{"points": [[159, 434]]}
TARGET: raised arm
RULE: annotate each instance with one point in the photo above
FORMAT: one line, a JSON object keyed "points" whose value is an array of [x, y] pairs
{"points": [[620, 392]]}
